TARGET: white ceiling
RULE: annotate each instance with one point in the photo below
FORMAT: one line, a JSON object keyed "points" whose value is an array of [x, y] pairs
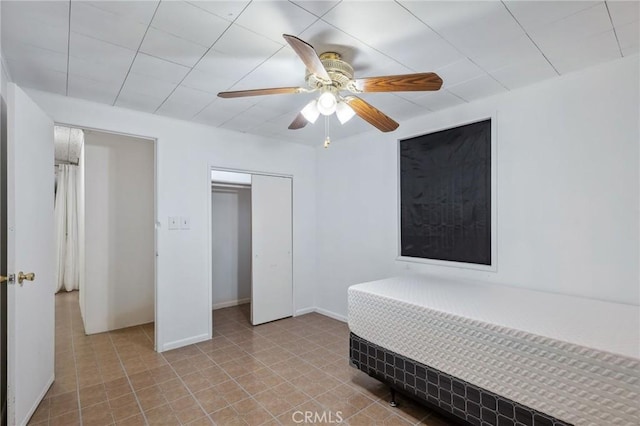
{"points": [[172, 57]]}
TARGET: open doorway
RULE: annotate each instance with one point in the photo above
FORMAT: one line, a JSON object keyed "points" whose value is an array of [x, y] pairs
{"points": [[231, 241], [251, 244], [105, 216]]}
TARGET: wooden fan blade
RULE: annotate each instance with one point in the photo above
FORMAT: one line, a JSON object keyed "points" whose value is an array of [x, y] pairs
{"points": [[299, 122], [260, 92], [371, 114], [425, 81], [308, 55]]}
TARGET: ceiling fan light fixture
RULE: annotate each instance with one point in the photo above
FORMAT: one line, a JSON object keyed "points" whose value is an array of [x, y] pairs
{"points": [[344, 112], [327, 103], [310, 112]]}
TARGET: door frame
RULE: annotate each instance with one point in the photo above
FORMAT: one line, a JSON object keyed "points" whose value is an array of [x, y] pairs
{"points": [[153, 140], [212, 167]]}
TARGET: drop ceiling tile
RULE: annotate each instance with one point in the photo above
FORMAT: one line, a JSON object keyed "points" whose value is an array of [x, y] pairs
{"points": [[92, 90], [228, 10], [524, 73], [100, 72], [459, 72], [576, 27], [243, 42], [241, 123], [42, 34], [187, 95], [438, 100], [171, 48], [534, 14], [159, 68], [222, 110], [98, 60], [284, 69], [207, 82], [138, 101], [99, 51], [629, 35], [273, 18], [318, 8], [33, 56], [441, 15], [584, 53], [137, 11], [106, 25], [624, 12], [237, 53], [366, 21], [631, 50], [148, 86], [43, 12], [43, 79], [424, 52], [505, 53], [467, 25], [189, 22], [477, 88], [405, 38]]}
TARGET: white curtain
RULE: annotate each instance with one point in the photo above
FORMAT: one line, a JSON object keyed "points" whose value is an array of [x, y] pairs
{"points": [[66, 222]]}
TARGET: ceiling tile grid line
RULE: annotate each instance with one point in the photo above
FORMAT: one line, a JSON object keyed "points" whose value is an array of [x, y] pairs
{"points": [[529, 37], [203, 55], [257, 66], [615, 33], [136, 55]]}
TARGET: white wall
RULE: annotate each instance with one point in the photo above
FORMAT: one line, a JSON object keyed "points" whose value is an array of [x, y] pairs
{"points": [[119, 231], [567, 191], [231, 246], [185, 154]]}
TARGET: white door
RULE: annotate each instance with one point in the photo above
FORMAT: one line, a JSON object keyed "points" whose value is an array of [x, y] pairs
{"points": [[30, 240], [272, 283]]}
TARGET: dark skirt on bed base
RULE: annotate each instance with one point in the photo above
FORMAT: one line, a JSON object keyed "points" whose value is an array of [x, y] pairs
{"points": [[460, 400]]}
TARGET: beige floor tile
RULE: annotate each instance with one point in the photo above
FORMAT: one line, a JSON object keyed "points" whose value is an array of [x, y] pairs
{"points": [[243, 376]]}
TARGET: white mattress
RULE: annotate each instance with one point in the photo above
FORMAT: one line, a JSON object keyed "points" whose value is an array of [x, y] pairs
{"points": [[573, 358]]}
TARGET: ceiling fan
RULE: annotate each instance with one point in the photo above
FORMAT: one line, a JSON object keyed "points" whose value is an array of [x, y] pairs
{"points": [[328, 74]]}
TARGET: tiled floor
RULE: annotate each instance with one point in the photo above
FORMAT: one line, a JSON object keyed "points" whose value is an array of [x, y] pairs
{"points": [[273, 374]]}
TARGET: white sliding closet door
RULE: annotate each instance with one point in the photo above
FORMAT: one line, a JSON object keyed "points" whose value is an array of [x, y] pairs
{"points": [[272, 281]]}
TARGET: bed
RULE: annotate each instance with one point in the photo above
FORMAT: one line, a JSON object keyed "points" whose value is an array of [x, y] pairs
{"points": [[499, 355]]}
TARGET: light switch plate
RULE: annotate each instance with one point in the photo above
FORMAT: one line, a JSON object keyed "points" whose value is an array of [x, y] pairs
{"points": [[174, 223], [185, 223]]}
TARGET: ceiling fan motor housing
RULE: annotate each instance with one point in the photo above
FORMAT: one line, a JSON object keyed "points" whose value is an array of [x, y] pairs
{"points": [[341, 72]]}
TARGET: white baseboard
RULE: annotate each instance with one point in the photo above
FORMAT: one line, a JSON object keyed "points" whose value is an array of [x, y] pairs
{"points": [[330, 314], [231, 303], [184, 342], [321, 311], [304, 311], [37, 402]]}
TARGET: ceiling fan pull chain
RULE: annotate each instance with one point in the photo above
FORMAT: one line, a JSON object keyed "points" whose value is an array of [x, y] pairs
{"points": [[327, 140]]}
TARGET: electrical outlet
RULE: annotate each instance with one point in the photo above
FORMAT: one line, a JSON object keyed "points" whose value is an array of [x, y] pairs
{"points": [[174, 223], [185, 223]]}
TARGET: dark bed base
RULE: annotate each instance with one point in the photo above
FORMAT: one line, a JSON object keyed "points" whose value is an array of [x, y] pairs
{"points": [[460, 400]]}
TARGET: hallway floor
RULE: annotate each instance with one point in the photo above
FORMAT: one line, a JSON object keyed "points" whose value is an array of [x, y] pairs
{"points": [[271, 374]]}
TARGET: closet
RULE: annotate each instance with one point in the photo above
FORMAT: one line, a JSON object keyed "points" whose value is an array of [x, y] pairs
{"points": [[251, 237]]}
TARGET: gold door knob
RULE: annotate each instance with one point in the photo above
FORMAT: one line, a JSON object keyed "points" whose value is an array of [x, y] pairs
{"points": [[22, 276], [3, 278]]}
